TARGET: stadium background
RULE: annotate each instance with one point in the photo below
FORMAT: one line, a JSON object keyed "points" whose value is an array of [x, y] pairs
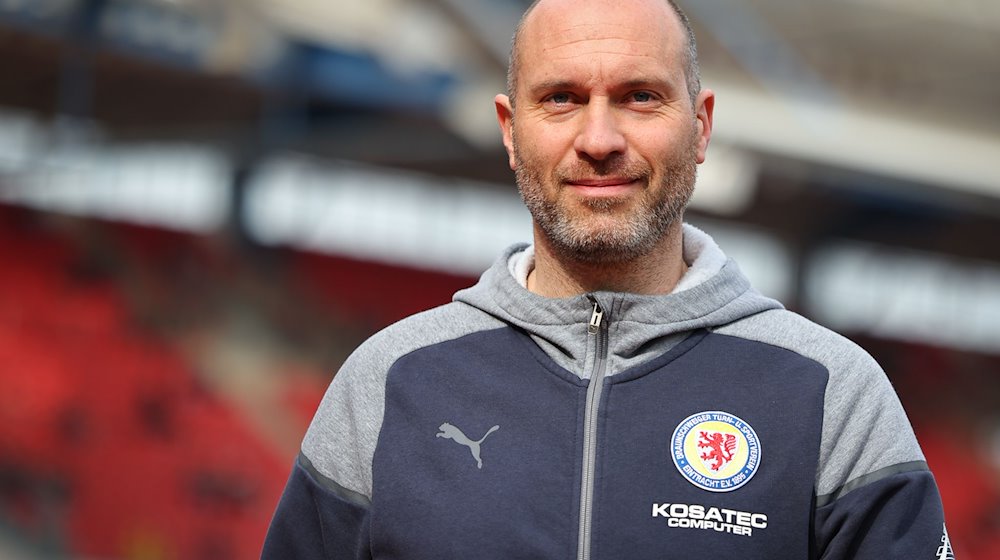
{"points": [[205, 205]]}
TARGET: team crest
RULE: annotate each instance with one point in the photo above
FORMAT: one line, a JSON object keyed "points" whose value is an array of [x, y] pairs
{"points": [[715, 451]]}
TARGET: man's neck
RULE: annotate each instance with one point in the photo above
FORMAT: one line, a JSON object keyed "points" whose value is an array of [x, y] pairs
{"points": [[657, 272]]}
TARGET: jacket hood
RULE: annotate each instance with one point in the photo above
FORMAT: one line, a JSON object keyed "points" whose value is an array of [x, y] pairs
{"points": [[714, 292]]}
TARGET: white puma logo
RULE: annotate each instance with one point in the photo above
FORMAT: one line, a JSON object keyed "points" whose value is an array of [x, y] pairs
{"points": [[453, 433]]}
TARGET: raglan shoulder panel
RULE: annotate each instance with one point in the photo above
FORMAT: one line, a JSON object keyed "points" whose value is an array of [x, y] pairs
{"points": [[865, 431], [341, 439]]}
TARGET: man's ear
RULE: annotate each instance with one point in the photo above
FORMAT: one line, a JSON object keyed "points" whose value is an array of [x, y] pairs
{"points": [[704, 106], [505, 116]]}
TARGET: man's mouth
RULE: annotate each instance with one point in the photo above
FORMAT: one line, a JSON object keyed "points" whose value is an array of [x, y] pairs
{"points": [[602, 182], [604, 186]]}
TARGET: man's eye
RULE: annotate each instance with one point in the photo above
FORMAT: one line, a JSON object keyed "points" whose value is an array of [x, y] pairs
{"points": [[559, 98], [642, 97]]}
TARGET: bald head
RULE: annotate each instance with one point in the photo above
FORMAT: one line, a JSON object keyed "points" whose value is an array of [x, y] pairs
{"points": [[691, 71]]}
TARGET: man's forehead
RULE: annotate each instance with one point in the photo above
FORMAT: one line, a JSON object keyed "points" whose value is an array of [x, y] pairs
{"points": [[601, 38]]}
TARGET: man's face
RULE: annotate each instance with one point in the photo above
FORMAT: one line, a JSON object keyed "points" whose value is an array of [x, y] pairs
{"points": [[603, 137]]}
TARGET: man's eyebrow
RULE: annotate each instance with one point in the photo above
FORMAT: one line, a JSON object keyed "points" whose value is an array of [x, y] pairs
{"points": [[651, 82], [553, 85]]}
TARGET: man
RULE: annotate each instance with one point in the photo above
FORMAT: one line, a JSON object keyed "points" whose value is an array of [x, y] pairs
{"points": [[616, 390]]}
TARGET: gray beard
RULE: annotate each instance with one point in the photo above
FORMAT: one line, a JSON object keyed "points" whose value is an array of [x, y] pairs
{"points": [[634, 234]]}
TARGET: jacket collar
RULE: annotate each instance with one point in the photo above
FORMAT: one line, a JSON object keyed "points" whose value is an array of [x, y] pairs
{"points": [[712, 293]]}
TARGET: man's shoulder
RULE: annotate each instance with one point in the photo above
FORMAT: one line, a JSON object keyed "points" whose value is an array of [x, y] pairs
{"points": [[791, 331], [421, 330], [351, 412]]}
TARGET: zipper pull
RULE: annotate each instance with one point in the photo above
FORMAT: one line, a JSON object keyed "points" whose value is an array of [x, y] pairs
{"points": [[595, 319]]}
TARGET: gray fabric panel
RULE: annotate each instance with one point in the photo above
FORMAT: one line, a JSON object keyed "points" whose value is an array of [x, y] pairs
{"points": [[341, 439], [345, 493], [864, 426], [912, 466]]}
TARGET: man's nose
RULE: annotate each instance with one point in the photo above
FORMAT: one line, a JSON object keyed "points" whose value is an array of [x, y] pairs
{"points": [[599, 136]]}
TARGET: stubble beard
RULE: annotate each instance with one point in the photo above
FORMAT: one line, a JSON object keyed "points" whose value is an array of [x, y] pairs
{"points": [[608, 230]]}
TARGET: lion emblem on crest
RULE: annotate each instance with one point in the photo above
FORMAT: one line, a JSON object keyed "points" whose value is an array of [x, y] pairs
{"points": [[721, 448]]}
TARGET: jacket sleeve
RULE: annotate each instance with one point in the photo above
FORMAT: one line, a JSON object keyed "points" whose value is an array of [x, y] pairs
{"points": [[324, 512], [896, 515], [875, 496], [317, 519]]}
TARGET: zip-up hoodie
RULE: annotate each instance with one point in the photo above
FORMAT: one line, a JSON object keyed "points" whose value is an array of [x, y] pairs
{"points": [[709, 421]]}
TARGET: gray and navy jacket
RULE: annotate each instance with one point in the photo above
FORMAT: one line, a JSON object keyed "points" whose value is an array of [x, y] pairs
{"points": [[706, 423]]}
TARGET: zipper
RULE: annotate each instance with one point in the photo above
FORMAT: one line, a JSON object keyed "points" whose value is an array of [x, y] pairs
{"points": [[598, 330], [595, 319]]}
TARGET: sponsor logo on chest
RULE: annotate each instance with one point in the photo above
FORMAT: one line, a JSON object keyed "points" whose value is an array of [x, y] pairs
{"points": [[695, 516]]}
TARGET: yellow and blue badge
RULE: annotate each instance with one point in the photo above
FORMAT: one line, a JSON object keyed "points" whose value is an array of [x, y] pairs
{"points": [[716, 451]]}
